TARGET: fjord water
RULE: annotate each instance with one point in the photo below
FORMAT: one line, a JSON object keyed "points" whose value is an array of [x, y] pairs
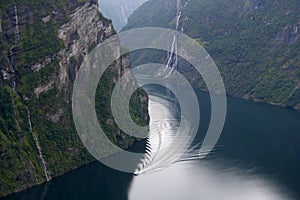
{"points": [[256, 158]]}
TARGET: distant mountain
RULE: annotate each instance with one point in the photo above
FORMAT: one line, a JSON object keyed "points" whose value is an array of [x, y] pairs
{"points": [[119, 10], [255, 43]]}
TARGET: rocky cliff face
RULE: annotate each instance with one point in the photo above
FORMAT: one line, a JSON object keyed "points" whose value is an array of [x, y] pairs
{"points": [[43, 44], [84, 29]]}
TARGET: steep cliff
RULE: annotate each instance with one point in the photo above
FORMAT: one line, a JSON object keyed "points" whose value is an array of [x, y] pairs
{"points": [[43, 44], [255, 43]]}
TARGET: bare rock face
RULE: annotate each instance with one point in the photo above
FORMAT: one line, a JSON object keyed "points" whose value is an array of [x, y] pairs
{"points": [[288, 34], [43, 88], [85, 29], [41, 51], [55, 117]]}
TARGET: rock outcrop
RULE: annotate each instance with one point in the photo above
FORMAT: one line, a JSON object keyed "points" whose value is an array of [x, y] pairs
{"points": [[85, 29], [42, 48]]}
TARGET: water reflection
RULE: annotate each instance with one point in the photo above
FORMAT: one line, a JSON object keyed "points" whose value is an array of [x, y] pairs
{"points": [[246, 164], [95, 181], [198, 180], [257, 158]]}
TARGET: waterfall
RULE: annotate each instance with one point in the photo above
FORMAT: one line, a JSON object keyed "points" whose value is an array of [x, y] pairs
{"points": [[186, 3], [35, 138], [124, 12], [183, 22], [11, 68], [172, 61], [17, 33], [10, 56], [16, 120], [12, 71], [38, 147]]}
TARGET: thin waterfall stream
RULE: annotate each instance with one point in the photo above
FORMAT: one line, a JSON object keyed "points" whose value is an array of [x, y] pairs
{"points": [[172, 61], [12, 70], [38, 146]]}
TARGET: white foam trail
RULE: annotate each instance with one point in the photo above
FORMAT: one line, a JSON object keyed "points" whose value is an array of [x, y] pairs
{"points": [[163, 135], [163, 130]]}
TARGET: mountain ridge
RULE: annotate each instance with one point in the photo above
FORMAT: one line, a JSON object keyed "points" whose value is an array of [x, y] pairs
{"points": [[253, 42]]}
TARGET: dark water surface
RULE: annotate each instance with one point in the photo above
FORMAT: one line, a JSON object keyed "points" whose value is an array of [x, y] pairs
{"points": [[256, 158]]}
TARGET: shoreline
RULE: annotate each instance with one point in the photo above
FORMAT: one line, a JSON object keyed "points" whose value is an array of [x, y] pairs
{"points": [[269, 104], [272, 104], [66, 173]]}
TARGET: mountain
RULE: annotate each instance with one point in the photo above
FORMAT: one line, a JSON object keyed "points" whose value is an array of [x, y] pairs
{"points": [[119, 10], [255, 43], [42, 45]]}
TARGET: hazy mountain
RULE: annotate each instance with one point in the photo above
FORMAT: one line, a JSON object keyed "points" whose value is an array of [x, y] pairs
{"points": [[119, 10]]}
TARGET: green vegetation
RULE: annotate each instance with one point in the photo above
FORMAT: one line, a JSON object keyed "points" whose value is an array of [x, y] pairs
{"points": [[21, 166], [254, 43], [19, 159], [45, 42], [32, 80], [50, 112], [166, 11], [104, 113]]}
